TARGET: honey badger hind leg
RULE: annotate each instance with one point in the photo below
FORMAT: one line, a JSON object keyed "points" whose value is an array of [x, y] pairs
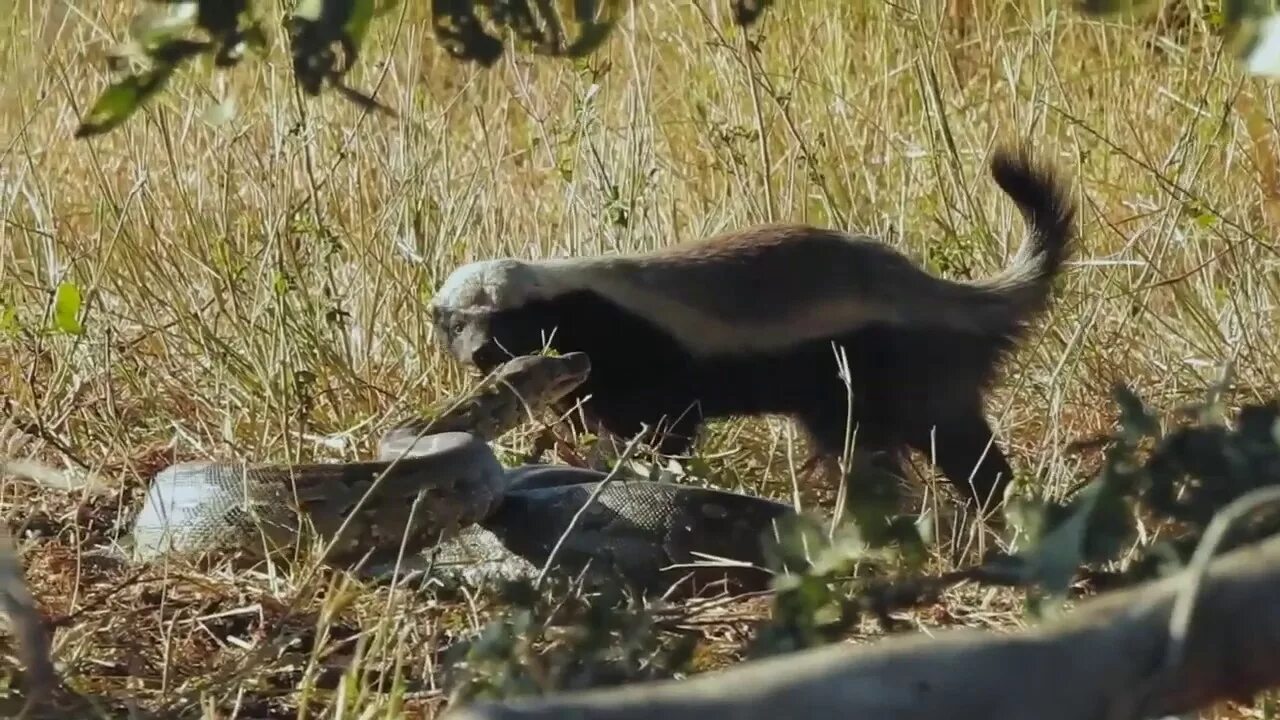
{"points": [[963, 447], [873, 449]]}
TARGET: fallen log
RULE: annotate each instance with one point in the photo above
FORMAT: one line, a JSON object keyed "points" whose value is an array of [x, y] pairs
{"points": [[1108, 659]]}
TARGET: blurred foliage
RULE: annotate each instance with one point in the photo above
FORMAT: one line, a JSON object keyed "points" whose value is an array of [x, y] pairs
{"points": [[1251, 28], [326, 38], [1162, 482], [1196, 464], [828, 580], [553, 637], [163, 38]]}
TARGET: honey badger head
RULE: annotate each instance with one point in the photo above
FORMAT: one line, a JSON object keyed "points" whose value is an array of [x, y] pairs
{"points": [[463, 310]]}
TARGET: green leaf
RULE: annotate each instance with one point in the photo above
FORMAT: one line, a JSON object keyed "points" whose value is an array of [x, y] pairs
{"points": [[280, 284], [120, 101], [1059, 553], [872, 500], [1024, 518], [9, 321], [357, 25], [66, 308], [911, 545]]}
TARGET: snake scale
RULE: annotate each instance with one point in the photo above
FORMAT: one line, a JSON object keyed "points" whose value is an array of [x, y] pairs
{"points": [[653, 536], [438, 494]]}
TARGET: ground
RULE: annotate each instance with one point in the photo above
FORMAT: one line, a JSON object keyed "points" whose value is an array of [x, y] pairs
{"points": [[254, 266]]}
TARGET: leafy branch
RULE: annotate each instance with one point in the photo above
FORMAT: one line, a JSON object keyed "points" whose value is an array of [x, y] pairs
{"points": [[1251, 28], [1172, 475], [326, 38], [555, 638]]}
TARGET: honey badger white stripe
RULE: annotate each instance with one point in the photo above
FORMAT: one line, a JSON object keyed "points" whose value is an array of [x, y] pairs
{"points": [[770, 287]]}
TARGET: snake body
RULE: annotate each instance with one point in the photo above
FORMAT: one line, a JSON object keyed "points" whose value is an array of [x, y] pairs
{"points": [[198, 507], [436, 494], [654, 536], [440, 468]]}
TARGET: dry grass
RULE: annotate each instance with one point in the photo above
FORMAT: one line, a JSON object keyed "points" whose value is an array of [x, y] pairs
{"points": [[868, 116]]}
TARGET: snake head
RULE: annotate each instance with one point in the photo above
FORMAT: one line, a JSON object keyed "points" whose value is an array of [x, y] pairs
{"points": [[545, 379], [571, 370]]}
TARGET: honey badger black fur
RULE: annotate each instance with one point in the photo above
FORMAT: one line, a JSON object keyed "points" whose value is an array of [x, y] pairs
{"points": [[747, 323]]}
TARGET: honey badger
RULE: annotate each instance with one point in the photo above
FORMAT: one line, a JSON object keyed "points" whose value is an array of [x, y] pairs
{"points": [[748, 323]]}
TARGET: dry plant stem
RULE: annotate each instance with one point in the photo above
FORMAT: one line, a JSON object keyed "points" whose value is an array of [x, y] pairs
{"points": [[1091, 664]]}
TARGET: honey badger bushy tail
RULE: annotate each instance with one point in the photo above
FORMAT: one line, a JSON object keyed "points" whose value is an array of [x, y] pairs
{"points": [[1025, 286]]}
